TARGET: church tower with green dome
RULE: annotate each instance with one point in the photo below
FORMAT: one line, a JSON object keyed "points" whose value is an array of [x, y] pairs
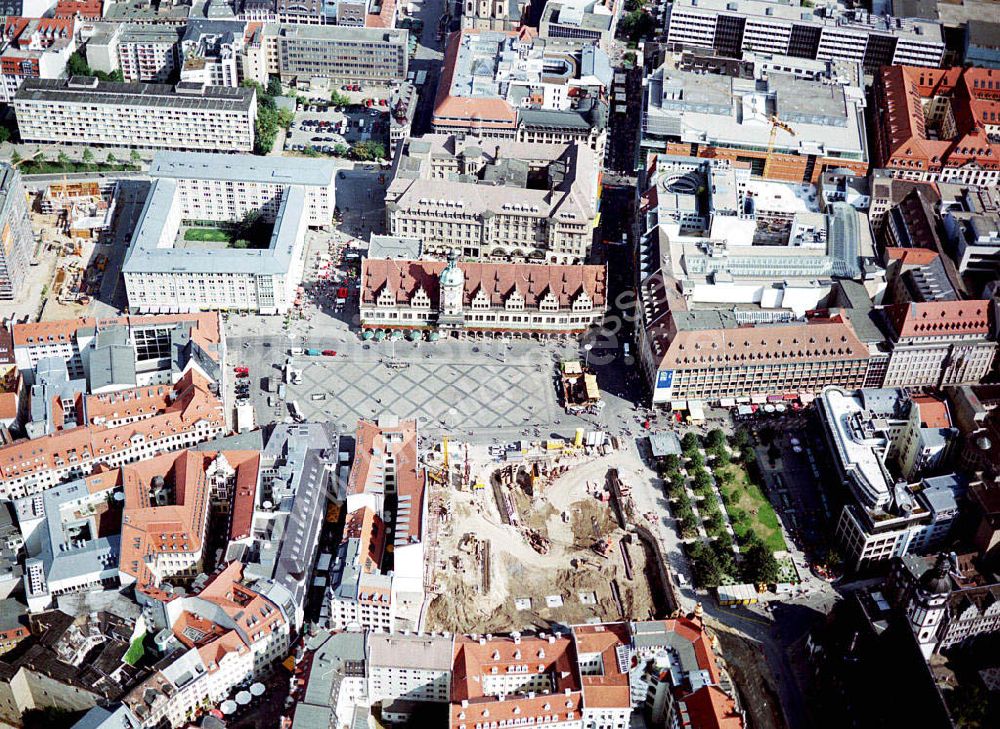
{"points": [[451, 286]]}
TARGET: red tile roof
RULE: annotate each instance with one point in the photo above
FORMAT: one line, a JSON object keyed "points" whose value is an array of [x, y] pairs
{"points": [[497, 280], [193, 403], [205, 328], [247, 465], [712, 708], [176, 528], [89, 9], [610, 689], [476, 661], [250, 611], [825, 338], [385, 18], [939, 318], [463, 112], [367, 526], [366, 471], [933, 411], [902, 138], [911, 256]]}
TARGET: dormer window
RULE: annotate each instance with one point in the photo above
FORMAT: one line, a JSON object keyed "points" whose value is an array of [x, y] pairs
{"points": [[549, 302], [420, 299], [515, 301], [480, 300]]}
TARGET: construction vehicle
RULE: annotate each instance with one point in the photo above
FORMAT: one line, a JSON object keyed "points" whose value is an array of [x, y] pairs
{"points": [[333, 513], [440, 475], [776, 124], [538, 541], [602, 546]]}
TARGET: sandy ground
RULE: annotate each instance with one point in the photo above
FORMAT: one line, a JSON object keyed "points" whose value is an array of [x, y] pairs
{"points": [[570, 569]]}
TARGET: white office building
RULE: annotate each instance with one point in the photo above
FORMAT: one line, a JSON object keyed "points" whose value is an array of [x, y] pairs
{"points": [[66, 548], [885, 517], [817, 30], [168, 269], [84, 110]]}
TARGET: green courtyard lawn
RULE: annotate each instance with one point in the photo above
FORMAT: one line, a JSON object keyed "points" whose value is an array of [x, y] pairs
{"points": [[135, 651], [214, 235], [748, 508]]}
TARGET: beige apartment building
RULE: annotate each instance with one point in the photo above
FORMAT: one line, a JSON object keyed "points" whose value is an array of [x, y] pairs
{"points": [[300, 53], [495, 199]]}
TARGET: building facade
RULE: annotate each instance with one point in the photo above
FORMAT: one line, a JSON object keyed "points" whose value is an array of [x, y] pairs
{"points": [[144, 53], [884, 516], [210, 52], [299, 53], [939, 343], [473, 195], [512, 85], [805, 31], [943, 607], [162, 274], [935, 125], [33, 48], [709, 355], [83, 110], [17, 241], [30, 466], [785, 127], [481, 297]]}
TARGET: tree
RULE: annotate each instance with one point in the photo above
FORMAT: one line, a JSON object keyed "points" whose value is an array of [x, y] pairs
{"points": [[77, 65], [339, 99], [748, 455], [696, 461], [637, 25], [367, 151], [714, 522], [135, 157], [759, 564], [4, 135], [690, 442], [704, 565], [740, 439], [15, 158], [340, 150], [715, 439], [689, 526], [111, 159], [274, 86], [702, 481], [62, 159], [87, 156], [671, 463], [969, 706], [722, 548]]}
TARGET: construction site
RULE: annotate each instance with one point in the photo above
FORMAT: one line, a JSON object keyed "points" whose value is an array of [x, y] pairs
{"points": [[533, 533]]}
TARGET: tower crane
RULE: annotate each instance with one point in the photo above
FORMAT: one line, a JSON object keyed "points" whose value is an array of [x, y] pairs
{"points": [[776, 124]]}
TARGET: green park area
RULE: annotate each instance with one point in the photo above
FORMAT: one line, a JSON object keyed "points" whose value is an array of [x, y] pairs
{"points": [[749, 510]]}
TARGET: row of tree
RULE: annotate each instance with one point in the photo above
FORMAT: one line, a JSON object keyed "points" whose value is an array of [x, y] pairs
{"points": [[714, 562]]}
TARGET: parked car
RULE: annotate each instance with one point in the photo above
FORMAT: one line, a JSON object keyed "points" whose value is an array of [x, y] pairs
{"points": [[329, 353]]}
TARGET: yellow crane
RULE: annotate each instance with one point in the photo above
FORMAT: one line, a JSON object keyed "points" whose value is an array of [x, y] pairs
{"points": [[776, 124]]}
